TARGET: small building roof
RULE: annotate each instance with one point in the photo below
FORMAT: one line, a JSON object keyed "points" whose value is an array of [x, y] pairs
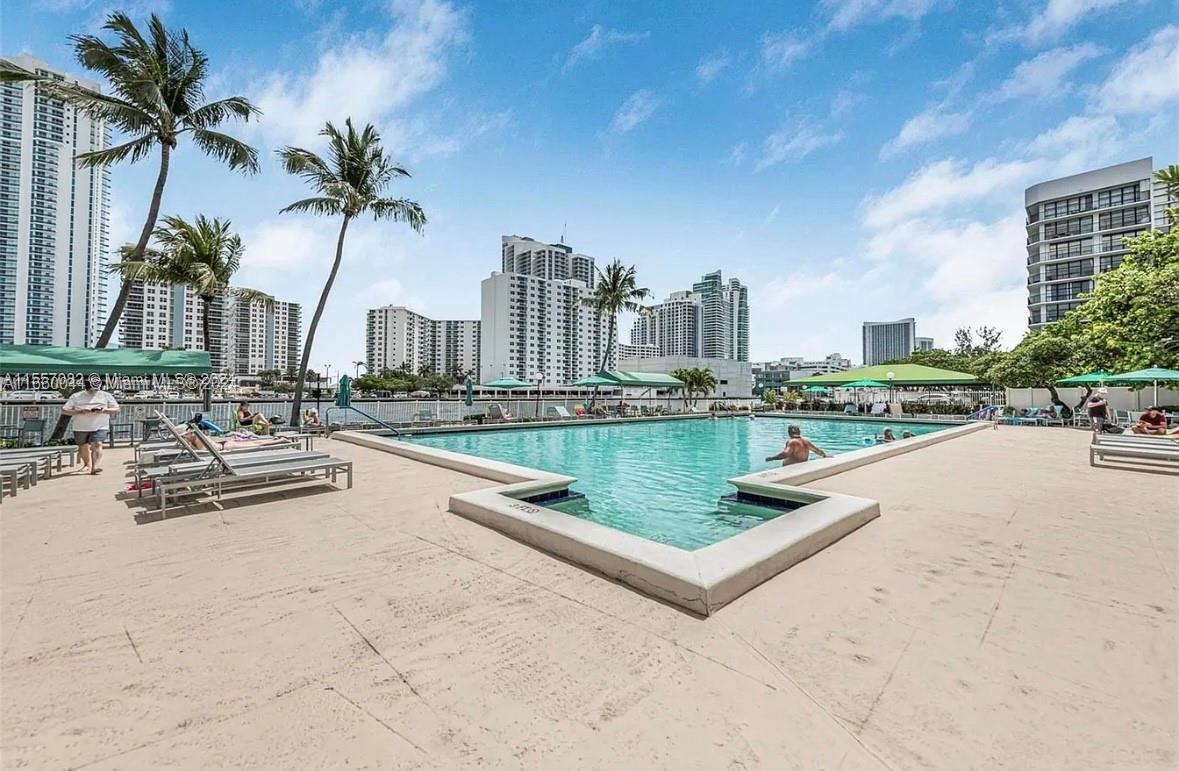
{"points": [[903, 375], [52, 359]]}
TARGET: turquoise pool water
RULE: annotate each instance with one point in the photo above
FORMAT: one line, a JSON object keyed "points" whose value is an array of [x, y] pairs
{"points": [[662, 480]]}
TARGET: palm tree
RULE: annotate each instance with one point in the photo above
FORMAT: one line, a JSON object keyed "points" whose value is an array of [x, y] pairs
{"points": [[203, 254], [156, 96], [696, 381], [350, 181], [358, 365], [616, 291]]}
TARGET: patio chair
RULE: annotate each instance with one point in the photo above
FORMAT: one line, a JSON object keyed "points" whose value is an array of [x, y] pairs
{"points": [[424, 417], [56, 454], [216, 475], [879, 410], [497, 413], [849, 409]]}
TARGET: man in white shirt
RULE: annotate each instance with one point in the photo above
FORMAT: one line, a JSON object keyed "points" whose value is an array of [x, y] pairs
{"points": [[91, 410]]}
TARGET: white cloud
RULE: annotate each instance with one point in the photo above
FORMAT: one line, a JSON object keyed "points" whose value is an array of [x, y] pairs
{"points": [[932, 123], [712, 65], [780, 51], [390, 291], [779, 292], [598, 39], [1044, 75], [795, 141], [844, 101], [637, 108], [846, 14], [367, 80], [773, 214], [1080, 142], [1147, 78], [738, 154], [294, 242], [945, 185], [1054, 21]]}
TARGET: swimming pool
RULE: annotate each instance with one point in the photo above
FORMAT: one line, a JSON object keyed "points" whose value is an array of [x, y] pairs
{"points": [[663, 480]]}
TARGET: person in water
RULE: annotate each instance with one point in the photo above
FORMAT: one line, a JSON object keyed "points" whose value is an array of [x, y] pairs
{"points": [[798, 448], [889, 436]]}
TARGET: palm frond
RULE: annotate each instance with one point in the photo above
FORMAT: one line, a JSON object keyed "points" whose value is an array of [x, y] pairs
{"points": [[308, 165], [246, 295], [233, 152], [216, 113], [324, 206], [399, 210], [11, 72], [136, 150]]}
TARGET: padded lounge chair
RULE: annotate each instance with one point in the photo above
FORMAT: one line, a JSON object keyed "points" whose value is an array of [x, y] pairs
{"points": [[557, 413], [222, 472]]}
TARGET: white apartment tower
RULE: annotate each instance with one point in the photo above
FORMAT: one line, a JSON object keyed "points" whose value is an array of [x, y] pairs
{"points": [[246, 337], [398, 337], [889, 340], [534, 316], [1076, 226], [53, 216]]}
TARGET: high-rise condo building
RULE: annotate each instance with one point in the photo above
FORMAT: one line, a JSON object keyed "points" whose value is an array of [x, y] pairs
{"points": [[53, 216], [398, 337], [711, 321], [1076, 226], [725, 317], [534, 318], [889, 340], [245, 337]]}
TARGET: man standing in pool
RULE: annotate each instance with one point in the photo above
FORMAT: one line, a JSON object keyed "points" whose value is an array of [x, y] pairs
{"points": [[798, 448]]}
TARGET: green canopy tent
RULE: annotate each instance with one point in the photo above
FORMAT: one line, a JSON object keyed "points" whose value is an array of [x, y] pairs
{"points": [[59, 360], [1153, 375], [594, 381], [619, 379], [127, 362], [902, 375]]}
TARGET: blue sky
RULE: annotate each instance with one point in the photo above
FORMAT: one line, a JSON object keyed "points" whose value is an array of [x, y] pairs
{"points": [[848, 159]]}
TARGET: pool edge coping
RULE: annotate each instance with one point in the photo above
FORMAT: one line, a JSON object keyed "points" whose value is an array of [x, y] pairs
{"points": [[700, 581]]}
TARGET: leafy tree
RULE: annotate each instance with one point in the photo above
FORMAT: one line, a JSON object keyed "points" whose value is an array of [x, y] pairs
{"points": [[617, 290], [1039, 360], [267, 377], [771, 396], [156, 96], [1170, 179], [350, 182], [1131, 318]]}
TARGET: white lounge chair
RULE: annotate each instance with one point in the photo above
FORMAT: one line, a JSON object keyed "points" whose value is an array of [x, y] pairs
{"points": [[223, 472], [1132, 452], [879, 410], [557, 412], [497, 413]]}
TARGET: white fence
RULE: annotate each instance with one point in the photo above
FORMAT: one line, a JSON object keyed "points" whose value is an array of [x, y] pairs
{"points": [[1118, 398], [396, 412]]}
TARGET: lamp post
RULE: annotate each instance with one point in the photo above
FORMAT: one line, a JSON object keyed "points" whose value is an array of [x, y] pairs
{"points": [[539, 378], [890, 377]]}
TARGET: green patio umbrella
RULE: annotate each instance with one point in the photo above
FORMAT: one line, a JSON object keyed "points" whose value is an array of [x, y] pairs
{"points": [[508, 383], [856, 385], [1100, 376], [816, 389], [864, 384], [469, 391], [1153, 375], [344, 392]]}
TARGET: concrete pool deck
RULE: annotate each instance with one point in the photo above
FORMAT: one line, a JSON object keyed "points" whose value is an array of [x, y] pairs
{"points": [[1012, 607]]}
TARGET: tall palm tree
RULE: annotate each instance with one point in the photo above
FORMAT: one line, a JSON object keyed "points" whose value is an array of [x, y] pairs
{"points": [[156, 96], [203, 254], [350, 181], [617, 290]]}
